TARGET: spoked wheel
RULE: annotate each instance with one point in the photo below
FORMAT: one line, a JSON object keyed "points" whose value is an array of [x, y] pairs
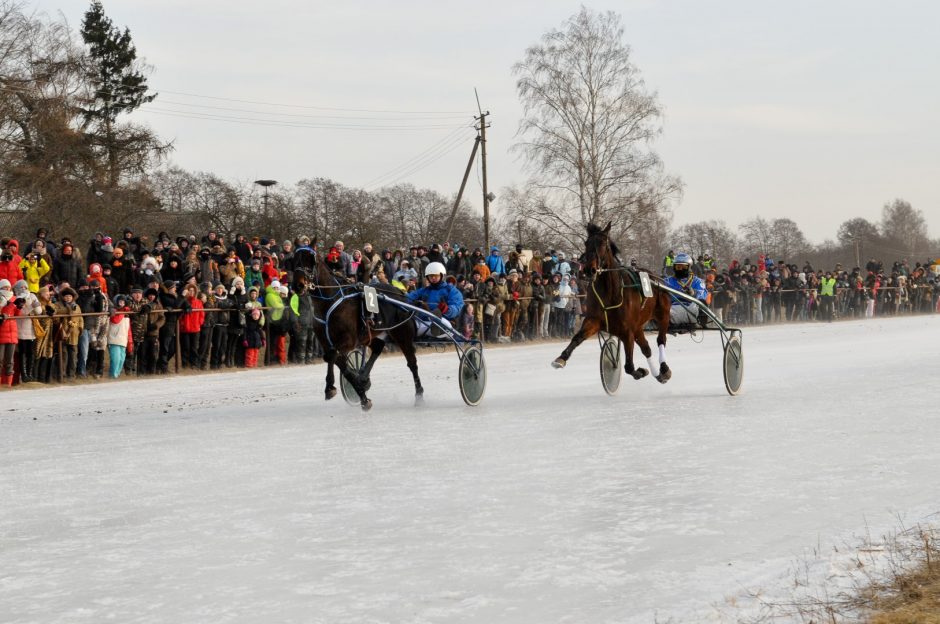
{"points": [[611, 370], [472, 375], [355, 360], [733, 365]]}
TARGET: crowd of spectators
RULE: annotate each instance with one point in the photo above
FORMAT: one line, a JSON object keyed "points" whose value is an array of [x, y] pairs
{"points": [[143, 307]]}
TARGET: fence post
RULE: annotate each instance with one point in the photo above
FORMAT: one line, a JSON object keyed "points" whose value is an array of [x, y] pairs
{"points": [[177, 358]]}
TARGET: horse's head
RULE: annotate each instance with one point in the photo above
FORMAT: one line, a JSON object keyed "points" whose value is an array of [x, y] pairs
{"points": [[599, 251]]}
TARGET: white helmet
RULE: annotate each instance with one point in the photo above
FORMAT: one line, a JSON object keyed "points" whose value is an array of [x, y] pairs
{"points": [[435, 268]]}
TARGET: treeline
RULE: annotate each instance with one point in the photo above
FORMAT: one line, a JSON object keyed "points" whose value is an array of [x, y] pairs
{"points": [[71, 160]]}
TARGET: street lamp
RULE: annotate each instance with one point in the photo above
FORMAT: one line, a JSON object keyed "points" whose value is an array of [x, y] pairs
{"points": [[265, 184]]}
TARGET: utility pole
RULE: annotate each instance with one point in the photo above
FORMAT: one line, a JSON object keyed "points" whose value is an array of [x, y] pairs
{"points": [[486, 194], [463, 184]]}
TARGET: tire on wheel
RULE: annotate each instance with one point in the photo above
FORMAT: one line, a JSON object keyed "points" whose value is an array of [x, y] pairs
{"points": [[733, 365], [355, 360], [611, 371], [472, 375]]}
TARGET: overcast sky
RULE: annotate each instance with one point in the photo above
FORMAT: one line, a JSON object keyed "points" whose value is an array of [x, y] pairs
{"points": [[817, 111]]}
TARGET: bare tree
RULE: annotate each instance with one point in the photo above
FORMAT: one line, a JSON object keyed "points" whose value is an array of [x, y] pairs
{"points": [[712, 237], [904, 227], [587, 129]]}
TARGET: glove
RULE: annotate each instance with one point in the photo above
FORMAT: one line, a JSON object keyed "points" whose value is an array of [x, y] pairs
{"points": [[245, 343], [515, 296], [442, 306], [19, 303], [50, 310]]}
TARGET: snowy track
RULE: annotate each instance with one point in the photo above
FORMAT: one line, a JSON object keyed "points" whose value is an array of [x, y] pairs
{"points": [[245, 497]]}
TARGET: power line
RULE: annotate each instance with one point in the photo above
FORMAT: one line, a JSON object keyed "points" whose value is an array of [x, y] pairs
{"points": [[258, 112], [410, 161], [291, 124], [422, 165], [326, 108]]}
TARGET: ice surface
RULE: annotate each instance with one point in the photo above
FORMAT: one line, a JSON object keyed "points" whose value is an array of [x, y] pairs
{"points": [[244, 497]]}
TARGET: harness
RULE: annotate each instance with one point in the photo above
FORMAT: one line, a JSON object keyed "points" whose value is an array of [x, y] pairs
{"points": [[345, 292], [623, 271]]}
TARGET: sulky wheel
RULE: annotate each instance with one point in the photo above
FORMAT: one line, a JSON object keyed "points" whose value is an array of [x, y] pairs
{"points": [[472, 375], [733, 365], [610, 365], [355, 360]]}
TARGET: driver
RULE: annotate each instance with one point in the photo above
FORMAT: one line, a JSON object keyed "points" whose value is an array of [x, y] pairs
{"points": [[440, 296], [685, 312]]}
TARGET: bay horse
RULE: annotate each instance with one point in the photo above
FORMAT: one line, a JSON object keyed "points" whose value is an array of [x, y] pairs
{"points": [[347, 327], [614, 303]]}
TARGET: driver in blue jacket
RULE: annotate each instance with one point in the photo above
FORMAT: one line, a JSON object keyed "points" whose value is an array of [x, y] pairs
{"points": [[685, 312], [439, 295]]}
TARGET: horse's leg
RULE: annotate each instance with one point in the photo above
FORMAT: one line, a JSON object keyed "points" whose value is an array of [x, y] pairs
{"points": [[628, 340], [663, 311], [329, 355], [376, 347], [590, 327], [644, 345], [408, 350]]}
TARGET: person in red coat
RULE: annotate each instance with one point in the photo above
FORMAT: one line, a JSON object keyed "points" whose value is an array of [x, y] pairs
{"points": [[10, 264], [10, 307], [190, 325]]}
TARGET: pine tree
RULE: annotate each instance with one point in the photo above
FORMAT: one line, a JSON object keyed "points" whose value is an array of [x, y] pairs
{"points": [[119, 84]]}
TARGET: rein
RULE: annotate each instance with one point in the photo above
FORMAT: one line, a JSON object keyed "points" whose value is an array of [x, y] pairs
{"points": [[597, 295]]}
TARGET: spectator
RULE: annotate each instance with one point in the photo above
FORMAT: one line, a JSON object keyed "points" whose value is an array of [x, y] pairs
{"points": [[120, 339], [494, 262], [34, 267]]}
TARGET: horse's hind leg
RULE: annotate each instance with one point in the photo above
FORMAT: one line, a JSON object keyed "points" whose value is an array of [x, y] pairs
{"points": [[590, 327], [408, 350], [662, 321], [647, 352], [636, 373], [330, 357]]}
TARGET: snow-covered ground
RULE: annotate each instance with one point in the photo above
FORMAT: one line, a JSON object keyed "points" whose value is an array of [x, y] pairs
{"points": [[244, 497]]}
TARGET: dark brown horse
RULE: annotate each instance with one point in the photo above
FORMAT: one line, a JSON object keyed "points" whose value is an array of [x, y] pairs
{"points": [[342, 327], [614, 303]]}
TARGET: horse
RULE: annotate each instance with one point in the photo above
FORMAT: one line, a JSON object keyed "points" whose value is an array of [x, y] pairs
{"points": [[347, 328], [615, 304]]}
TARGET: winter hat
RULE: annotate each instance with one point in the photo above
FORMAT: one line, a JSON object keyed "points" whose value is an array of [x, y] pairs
{"points": [[136, 289], [4, 284], [283, 290], [68, 291], [275, 284], [106, 240], [20, 288], [151, 291], [13, 244]]}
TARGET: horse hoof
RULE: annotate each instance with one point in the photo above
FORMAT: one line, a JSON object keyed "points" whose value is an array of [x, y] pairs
{"points": [[640, 373], [665, 374], [330, 393], [366, 405], [419, 400], [559, 363]]}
